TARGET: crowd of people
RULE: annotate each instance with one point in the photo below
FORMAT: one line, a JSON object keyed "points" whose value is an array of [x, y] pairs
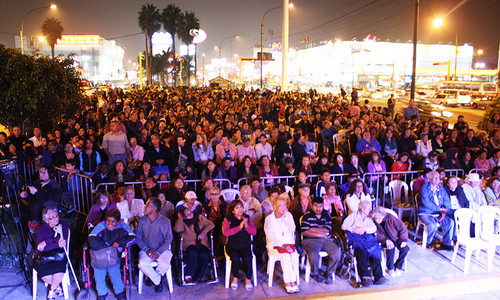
{"points": [[172, 135]]}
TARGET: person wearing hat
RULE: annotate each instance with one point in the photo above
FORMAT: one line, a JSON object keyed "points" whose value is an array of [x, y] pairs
{"points": [[191, 203], [431, 161], [246, 150], [474, 192]]}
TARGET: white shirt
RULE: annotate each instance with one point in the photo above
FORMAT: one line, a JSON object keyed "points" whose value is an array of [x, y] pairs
{"points": [[261, 150], [137, 209], [137, 153], [353, 201], [279, 231]]}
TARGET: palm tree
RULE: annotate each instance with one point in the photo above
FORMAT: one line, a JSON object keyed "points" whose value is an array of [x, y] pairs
{"points": [[149, 22], [159, 65], [52, 30], [187, 23], [170, 18]]}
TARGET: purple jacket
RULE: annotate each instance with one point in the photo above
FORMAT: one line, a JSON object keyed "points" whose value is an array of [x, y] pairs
{"points": [[45, 233], [96, 214]]}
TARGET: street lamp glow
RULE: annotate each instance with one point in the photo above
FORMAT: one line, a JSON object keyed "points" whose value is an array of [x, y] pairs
{"points": [[480, 52], [53, 6], [438, 22], [290, 5], [41, 38]]}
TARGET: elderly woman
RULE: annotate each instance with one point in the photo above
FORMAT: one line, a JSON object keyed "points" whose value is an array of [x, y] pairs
{"points": [[492, 191], [238, 228], [110, 233], [190, 203], [131, 208], [457, 195], [252, 206], [361, 235], [280, 236], [99, 209], [194, 229], [391, 233], [49, 242]]}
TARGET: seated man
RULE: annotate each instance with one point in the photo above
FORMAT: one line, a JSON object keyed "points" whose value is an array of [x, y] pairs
{"points": [[391, 233], [435, 202], [315, 227], [361, 235], [154, 236], [320, 186]]}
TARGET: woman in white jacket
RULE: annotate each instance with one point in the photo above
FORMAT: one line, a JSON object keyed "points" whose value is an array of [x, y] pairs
{"points": [[279, 227]]}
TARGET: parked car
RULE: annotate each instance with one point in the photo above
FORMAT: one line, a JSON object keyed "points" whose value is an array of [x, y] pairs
{"points": [[427, 110], [482, 102], [444, 99]]}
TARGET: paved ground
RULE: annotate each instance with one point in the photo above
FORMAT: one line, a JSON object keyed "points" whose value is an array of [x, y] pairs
{"points": [[431, 275]]}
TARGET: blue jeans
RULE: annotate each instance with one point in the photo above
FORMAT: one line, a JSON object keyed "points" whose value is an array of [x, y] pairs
{"points": [[116, 279], [446, 223]]}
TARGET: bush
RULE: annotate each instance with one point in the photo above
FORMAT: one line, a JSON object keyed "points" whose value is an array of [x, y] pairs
{"points": [[37, 90]]}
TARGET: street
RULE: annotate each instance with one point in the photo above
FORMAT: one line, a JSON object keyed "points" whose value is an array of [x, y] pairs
{"points": [[472, 116]]}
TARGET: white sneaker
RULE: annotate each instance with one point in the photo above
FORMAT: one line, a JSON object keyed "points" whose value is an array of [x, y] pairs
{"points": [[392, 273], [399, 272]]}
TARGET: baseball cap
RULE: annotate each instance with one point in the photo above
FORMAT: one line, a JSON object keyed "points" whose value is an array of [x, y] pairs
{"points": [[191, 195]]}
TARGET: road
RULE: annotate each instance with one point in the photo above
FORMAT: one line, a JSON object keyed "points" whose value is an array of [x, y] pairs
{"points": [[472, 116]]}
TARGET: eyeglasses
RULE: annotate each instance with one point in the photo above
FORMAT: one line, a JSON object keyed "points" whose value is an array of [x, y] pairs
{"points": [[214, 194]]}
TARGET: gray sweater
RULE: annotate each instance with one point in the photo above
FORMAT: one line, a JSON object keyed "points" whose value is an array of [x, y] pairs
{"points": [[156, 235]]}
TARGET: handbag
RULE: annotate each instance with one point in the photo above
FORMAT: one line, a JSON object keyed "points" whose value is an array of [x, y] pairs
{"points": [[104, 258], [50, 256]]}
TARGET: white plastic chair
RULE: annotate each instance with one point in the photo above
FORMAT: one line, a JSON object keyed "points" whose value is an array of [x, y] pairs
{"points": [[154, 264], [228, 267], [322, 254], [65, 283], [399, 203], [230, 194], [335, 140], [289, 190], [463, 219], [271, 262], [489, 217]]}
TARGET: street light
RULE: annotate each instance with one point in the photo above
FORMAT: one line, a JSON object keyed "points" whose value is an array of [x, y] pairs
{"points": [[480, 52], [262, 38], [220, 47], [52, 6], [438, 23], [415, 40]]}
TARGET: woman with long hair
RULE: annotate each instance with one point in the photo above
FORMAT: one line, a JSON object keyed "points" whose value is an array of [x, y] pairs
{"points": [[89, 158], [356, 193], [119, 172], [98, 210], [202, 151]]}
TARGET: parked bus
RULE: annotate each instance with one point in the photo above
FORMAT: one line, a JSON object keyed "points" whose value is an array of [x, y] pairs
{"points": [[476, 89]]}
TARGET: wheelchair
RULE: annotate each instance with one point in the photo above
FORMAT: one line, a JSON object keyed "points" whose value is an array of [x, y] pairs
{"points": [[127, 268], [211, 261]]}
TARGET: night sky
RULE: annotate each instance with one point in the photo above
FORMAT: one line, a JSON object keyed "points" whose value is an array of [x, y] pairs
{"points": [[476, 21]]}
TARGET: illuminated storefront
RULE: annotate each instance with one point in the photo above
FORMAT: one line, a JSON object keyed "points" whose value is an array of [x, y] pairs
{"points": [[369, 63], [99, 59]]}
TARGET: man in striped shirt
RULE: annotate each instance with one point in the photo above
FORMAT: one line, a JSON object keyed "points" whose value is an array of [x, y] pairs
{"points": [[315, 227]]}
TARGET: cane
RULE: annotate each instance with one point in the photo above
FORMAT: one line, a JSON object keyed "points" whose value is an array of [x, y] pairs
{"points": [[58, 229]]}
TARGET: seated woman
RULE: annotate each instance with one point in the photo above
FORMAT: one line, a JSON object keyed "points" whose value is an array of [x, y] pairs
{"points": [[194, 229], [215, 210], [176, 190], [120, 173], [403, 164], [268, 169], [357, 192], [492, 191], [131, 209], [238, 228], [110, 233], [332, 201], [246, 168], [99, 209], [268, 204], [361, 235], [145, 171], [48, 241], [457, 195], [204, 192], [280, 236], [377, 165], [150, 188]]}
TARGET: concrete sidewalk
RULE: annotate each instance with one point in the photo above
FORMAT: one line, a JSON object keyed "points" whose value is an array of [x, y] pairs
{"points": [[431, 275]]}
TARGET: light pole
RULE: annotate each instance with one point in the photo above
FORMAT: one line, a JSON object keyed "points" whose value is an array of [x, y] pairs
{"points": [[203, 69], [284, 47], [220, 47], [438, 23], [52, 6], [415, 40], [262, 39]]}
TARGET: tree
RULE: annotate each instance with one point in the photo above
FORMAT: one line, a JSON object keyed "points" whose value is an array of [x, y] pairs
{"points": [[149, 22], [37, 90], [52, 30], [170, 18], [188, 22], [159, 65]]}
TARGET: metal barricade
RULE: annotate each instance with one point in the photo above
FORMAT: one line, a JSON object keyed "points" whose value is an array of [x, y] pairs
{"points": [[455, 172], [377, 182], [76, 190], [478, 171]]}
